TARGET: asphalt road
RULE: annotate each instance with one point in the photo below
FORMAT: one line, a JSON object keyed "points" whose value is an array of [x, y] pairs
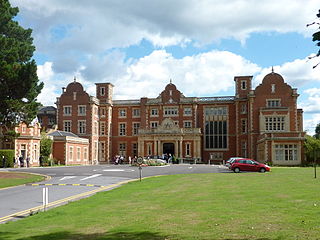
{"points": [[72, 183]]}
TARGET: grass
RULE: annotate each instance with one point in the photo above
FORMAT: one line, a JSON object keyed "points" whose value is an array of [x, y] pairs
{"points": [[9, 179], [282, 204]]}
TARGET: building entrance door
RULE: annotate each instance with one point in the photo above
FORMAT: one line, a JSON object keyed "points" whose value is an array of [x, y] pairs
{"points": [[168, 148]]}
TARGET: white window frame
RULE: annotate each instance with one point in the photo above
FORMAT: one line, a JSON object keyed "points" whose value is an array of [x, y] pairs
{"points": [[82, 129], [275, 123], [67, 110], [122, 113], [135, 128], [286, 152], [78, 154], [82, 110], [187, 111], [170, 111], [70, 153], [67, 128], [102, 128], [187, 124], [154, 124], [136, 112], [273, 103], [154, 112], [122, 129], [188, 149]]}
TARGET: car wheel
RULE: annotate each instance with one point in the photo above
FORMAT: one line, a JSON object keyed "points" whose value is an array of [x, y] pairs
{"points": [[262, 170], [236, 170]]}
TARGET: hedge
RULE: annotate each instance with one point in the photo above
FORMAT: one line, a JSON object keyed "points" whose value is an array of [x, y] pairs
{"points": [[9, 155]]}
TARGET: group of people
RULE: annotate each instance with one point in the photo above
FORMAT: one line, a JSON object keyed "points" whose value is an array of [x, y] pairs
{"points": [[20, 162], [120, 159]]}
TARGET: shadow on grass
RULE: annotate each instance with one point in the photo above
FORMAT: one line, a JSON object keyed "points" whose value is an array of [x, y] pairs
{"points": [[65, 235]]}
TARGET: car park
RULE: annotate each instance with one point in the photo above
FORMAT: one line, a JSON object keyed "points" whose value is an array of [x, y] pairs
{"points": [[246, 164]]}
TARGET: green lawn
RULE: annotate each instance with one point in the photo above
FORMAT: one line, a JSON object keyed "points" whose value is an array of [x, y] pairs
{"points": [[9, 179], [282, 204]]}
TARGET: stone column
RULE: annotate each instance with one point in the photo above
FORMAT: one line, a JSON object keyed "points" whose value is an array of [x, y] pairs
{"points": [[159, 148], [155, 152], [180, 153], [176, 150]]}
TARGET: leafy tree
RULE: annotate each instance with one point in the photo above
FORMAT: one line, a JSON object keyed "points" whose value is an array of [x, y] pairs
{"points": [[45, 146], [311, 147], [316, 37], [317, 132], [19, 83]]}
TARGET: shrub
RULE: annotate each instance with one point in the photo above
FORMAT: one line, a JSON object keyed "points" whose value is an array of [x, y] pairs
{"points": [[9, 155]]}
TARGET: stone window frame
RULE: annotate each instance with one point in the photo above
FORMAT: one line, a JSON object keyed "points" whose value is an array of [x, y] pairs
{"points": [[122, 129], [170, 111], [122, 112], [188, 122], [78, 154], [135, 130], [136, 112], [80, 113], [65, 112], [84, 127], [102, 128], [154, 112], [187, 112], [273, 103], [188, 149], [67, 128], [154, 124]]}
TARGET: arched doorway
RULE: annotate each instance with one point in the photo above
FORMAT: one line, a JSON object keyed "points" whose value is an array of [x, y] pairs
{"points": [[168, 148]]}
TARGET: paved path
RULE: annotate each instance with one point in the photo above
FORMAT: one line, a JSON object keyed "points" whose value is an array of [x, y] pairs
{"points": [[71, 183]]}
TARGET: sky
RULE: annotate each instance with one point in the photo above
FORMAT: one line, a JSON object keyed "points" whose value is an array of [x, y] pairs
{"points": [[139, 45]]}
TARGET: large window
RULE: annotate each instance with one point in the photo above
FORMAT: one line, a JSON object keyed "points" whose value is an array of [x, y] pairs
{"points": [[216, 132], [136, 112], [170, 111], [275, 123], [187, 111], [67, 110], [134, 149], [122, 129], [122, 113], [67, 126], [122, 149], [154, 112], [286, 152], [81, 110], [135, 128], [273, 103], [82, 126]]}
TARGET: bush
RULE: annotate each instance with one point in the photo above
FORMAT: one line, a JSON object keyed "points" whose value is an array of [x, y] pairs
{"points": [[9, 155]]}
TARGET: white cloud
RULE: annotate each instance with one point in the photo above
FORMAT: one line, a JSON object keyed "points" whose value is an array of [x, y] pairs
{"points": [[69, 28]]}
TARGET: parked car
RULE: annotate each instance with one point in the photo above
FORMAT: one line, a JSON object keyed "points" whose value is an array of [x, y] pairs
{"points": [[231, 160], [251, 165]]}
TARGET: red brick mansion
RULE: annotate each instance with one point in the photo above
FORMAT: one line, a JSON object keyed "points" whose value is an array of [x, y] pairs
{"points": [[262, 123]]}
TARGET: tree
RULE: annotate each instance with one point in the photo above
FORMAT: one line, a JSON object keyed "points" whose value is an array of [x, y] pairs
{"points": [[19, 83], [311, 147], [316, 37], [317, 132]]}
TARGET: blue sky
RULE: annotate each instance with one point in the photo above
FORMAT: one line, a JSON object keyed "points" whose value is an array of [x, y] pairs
{"points": [[201, 45]]}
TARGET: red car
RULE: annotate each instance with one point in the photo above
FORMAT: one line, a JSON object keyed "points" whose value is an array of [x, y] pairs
{"points": [[251, 165]]}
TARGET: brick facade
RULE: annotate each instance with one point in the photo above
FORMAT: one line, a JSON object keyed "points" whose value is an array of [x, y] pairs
{"points": [[262, 123]]}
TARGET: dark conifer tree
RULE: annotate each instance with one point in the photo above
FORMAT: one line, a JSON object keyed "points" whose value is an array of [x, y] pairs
{"points": [[19, 83]]}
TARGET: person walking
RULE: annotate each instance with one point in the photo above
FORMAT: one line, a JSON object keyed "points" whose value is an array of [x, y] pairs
{"points": [[4, 160]]}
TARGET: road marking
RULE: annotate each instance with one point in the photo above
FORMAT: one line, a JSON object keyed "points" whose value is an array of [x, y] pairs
{"points": [[63, 184], [189, 167], [118, 170], [67, 177], [92, 176]]}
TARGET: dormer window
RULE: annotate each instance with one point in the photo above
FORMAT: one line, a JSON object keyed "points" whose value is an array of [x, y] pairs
{"points": [[243, 85]]}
